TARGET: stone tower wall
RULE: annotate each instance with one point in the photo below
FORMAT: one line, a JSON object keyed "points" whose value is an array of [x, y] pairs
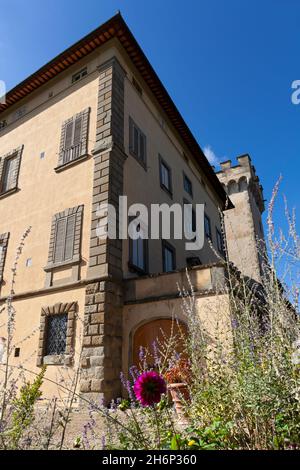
{"points": [[243, 223]]}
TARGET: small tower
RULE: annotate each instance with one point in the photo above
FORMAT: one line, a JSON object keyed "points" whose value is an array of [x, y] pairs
{"points": [[243, 223]]}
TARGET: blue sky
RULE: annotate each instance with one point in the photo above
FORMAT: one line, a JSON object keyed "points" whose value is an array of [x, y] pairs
{"points": [[228, 65]]}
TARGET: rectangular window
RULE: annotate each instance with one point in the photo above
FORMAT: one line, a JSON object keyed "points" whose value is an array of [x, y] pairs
{"points": [[64, 239], [79, 75], [138, 253], [56, 336], [137, 142], [187, 184], [10, 169], [20, 112], [3, 124], [65, 242], [169, 259], [207, 226], [220, 242], [165, 175], [74, 138], [190, 218]]}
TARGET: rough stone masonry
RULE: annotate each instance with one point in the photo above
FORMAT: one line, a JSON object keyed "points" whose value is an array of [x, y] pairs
{"points": [[102, 342]]}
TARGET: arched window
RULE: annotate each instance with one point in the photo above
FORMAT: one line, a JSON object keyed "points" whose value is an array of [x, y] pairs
{"points": [[233, 187], [243, 184]]}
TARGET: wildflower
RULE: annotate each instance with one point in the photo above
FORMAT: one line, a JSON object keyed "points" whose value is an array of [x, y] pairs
{"points": [[141, 354], [156, 357], [149, 387], [191, 443]]}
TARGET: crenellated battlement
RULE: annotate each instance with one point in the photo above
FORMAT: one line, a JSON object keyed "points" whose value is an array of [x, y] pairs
{"points": [[241, 177]]}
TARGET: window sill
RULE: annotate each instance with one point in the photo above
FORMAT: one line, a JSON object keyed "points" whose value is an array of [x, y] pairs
{"points": [[8, 193], [67, 165], [136, 269], [166, 190], [57, 360], [62, 264], [141, 162]]}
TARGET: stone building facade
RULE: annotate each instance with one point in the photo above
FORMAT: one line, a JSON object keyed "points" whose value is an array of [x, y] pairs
{"points": [[91, 125]]}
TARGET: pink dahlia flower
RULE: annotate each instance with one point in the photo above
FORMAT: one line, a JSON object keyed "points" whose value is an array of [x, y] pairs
{"points": [[149, 387]]}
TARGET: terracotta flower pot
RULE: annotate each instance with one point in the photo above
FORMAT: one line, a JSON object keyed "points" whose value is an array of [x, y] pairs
{"points": [[179, 393]]}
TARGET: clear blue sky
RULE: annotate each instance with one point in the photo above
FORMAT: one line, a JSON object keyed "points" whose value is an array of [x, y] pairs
{"points": [[228, 65]]}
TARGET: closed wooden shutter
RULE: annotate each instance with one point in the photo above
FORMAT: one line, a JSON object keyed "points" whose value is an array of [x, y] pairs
{"points": [[68, 141], [9, 176], [69, 135], [77, 138], [77, 130], [60, 240], [74, 137], [70, 235], [64, 241]]}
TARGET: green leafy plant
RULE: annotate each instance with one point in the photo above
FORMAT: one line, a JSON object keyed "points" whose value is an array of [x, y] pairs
{"points": [[23, 408]]}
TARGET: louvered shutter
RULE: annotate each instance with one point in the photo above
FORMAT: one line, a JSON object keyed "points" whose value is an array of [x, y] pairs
{"points": [[69, 135], [77, 137], [10, 171], [68, 141], [74, 137], [70, 236], [60, 240]]}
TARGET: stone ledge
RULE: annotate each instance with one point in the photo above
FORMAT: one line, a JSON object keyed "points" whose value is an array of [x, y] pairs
{"points": [[58, 360], [74, 162], [63, 264], [9, 192]]}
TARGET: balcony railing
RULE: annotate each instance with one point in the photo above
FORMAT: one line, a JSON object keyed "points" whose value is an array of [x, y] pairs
{"points": [[72, 153]]}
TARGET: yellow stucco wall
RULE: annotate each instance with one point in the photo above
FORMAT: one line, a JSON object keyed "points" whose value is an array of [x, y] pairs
{"points": [[213, 311], [26, 337]]}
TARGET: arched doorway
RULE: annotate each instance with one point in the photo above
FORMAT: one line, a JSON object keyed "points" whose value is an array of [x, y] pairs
{"points": [[163, 332]]}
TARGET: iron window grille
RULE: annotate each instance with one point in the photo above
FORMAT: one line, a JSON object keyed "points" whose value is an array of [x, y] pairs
{"points": [[56, 334]]}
